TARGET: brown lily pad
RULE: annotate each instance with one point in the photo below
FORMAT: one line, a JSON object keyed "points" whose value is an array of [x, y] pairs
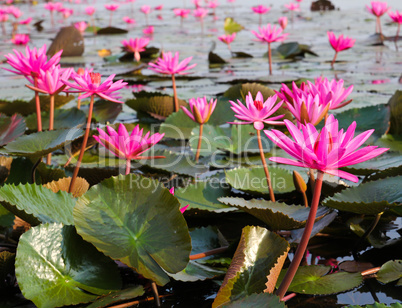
{"points": [[68, 39], [80, 187]]}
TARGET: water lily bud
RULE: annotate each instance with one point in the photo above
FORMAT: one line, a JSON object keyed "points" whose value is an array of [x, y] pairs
{"points": [[299, 182]]}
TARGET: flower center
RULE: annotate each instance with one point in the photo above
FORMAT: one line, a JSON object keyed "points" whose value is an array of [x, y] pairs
{"points": [[259, 105], [95, 78]]}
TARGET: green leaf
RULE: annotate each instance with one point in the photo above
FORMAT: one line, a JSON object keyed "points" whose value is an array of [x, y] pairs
{"points": [[176, 163], [277, 215], [36, 204], [11, 128], [6, 218], [63, 118], [203, 195], [160, 106], [395, 104], [369, 198], [213, 138], [244, 140], [135, 220], [213, 58], [292, 50], [56, 267], [261, 300], [393, 142], [106, 111], [202, 240], [391, 271], [256, 255], [25, 108], [111, 30], [41, 143], [382, 162], [315, 279], [230, 26], [118, 296], [253, 179]]}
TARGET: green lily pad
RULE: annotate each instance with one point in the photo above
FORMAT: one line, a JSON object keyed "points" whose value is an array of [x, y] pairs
{"points": [[117, 296], [111, 30], [156, 105], [25, 108], [395, 104], [240, 91], [369, 198], [391, 271], [213, 138], [213, 58], [135, 220], [56, 267], [315, 279], [174, 163], [6, 217], [63, 118], [11, 128], [106, 111], [393, 142], [277, 215], [41, 143], [292, 50], [203, 195], [256, 255], [36, 204], [253, 179], [230, 26], [380, 163], [261, 300]]}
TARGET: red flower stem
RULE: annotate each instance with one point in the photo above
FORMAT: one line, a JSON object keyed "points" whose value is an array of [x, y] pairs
{"points": [[333, 60], [84, 144], [79, 101], [176, 102], [208, 253], [379, 26], [288, 297], [37, 102], [305, 199], [156, 294], [128, 166], [197, 155], [264, 164], [270, 58], [93, 24], [51, 125], [301, 249], [110, 19]]}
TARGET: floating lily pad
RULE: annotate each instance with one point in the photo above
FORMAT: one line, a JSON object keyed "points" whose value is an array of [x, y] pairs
{"points": [[41, 143], [391, 271], [292, 50], [111, 30], [386, 161], [257, 253], [203, 195], [213, 139], [135, 220], [63, 118], [369, 198], [230, 26], [213, 58], [106, 111], [11, 128], [315, 279], [254, 180], [117, 296], [261, 300], [36, 204], [277, 215], [395, 104], [56, 267]]}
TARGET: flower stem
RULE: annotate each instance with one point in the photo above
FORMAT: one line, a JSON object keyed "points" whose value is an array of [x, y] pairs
{"points": [[264, 163], [79, 102], [37, 102], [110, 20], [259, 20], [305, 199], [366, 235], [333, 60], [270, 58], [128, 166], [51, 125], [176, 102], [304, 240], [208, 253], [156, 294], [84, 144], [197, 155]]}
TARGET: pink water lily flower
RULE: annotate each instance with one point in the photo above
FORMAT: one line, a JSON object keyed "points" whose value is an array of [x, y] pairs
{"points": [[146, 9], [50, 81], [25, 21], [127, 146], [270, 34], [136, 46], [200, 13], [227, 38], [89, 10], [257, 111], [129, 20], [158, 7], [261, 9], [90, 84], [20, 39], [331, 92], [201, 110], [169, 64], [396, 18], [283, 22], [378, 9], [148, 30], [339, 44], [327, 150], [181, 12], [293, 6], [81, 26], [32, 62], [111, 7]]}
